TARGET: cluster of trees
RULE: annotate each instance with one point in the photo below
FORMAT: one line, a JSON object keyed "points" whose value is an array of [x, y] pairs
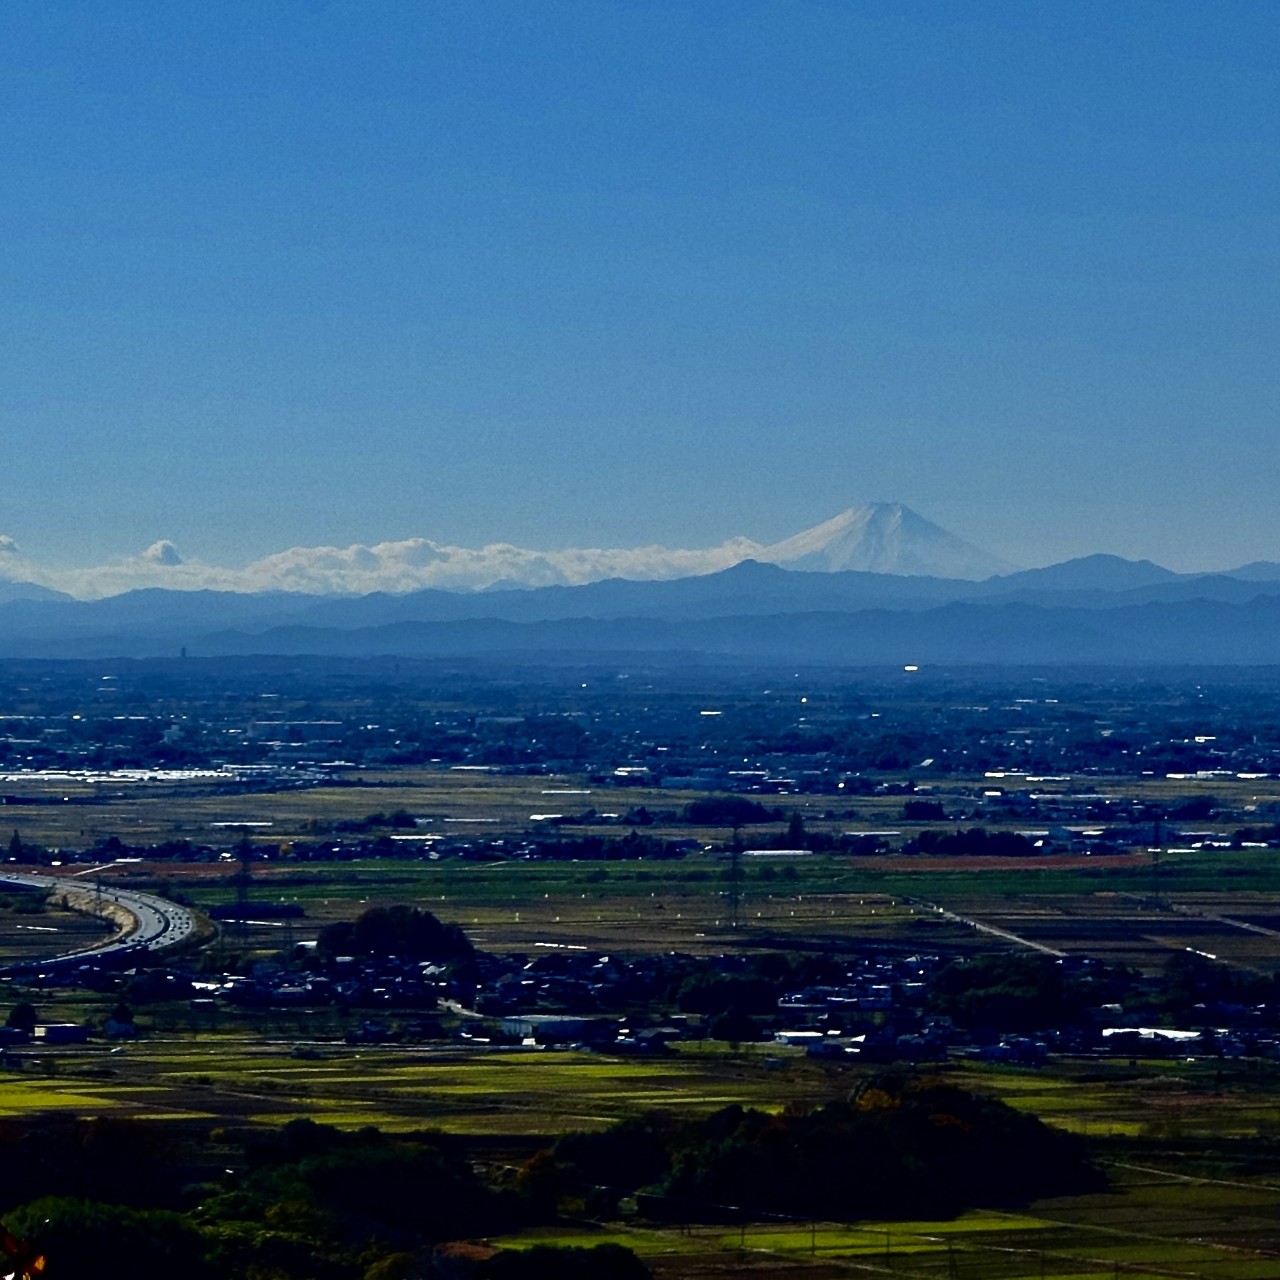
{"points": [[901, 1147], [1011, 992], [975, 842], [397, 820], [704, 985], [1191, 981], [729, 811], [595, 848], [21, 850], [406, 932], [1018, 992], [923, 811], [1269, 834], [732, 1001], [110, 847], [117, 1198]]}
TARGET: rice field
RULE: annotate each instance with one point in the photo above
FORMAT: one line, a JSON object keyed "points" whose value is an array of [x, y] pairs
{"points": [[1189, 1146], [1147, 1227]]}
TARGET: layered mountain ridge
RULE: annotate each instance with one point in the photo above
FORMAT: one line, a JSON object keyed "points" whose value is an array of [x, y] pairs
{"points": [[809, 599], [1077, 612]]}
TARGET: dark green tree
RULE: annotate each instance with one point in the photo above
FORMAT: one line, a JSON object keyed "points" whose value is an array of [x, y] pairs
{"points": [[89, 1238], [395, 931], [796, 834], [23, 1017]]}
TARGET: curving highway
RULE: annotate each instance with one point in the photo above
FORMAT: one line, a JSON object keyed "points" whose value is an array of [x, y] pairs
{"points": [[155, 924]]}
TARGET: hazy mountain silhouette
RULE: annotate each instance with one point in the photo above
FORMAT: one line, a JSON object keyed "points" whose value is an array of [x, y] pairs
{"points": [[1097, 608], [1257, 571], [11, 589], [1090, 573], [1191, 632]]}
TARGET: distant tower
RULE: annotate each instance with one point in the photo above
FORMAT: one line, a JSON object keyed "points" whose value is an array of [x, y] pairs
{"points": [[1155, 858], [735, 877], [244, 852]]}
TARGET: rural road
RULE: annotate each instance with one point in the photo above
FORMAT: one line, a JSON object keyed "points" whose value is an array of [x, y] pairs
{"points": [[1015, 938]]}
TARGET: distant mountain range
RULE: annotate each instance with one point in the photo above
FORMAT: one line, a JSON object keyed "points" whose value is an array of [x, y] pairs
{"points": [[878, 537], [1097, 609], [19, 590]]}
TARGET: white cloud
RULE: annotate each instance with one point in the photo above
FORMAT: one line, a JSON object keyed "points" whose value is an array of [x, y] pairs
{"points": [[882, 538], [15, 567], [162, 552], [399, 566]]}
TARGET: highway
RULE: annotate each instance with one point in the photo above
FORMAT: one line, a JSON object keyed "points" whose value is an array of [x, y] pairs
{"points": [[157, 923]]}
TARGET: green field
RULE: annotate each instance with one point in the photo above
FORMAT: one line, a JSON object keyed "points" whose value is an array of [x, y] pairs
{"points": [[1189, 1146], [1209, 901]]}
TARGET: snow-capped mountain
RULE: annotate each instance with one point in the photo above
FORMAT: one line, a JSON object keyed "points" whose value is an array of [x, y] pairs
{"points": [[884, 537]]}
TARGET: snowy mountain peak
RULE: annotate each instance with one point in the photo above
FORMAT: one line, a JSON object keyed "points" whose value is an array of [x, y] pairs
{"points": [[884, 537]]}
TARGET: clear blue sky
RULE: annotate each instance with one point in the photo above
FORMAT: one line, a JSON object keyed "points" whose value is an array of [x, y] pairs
{"points": [[592, 273]]}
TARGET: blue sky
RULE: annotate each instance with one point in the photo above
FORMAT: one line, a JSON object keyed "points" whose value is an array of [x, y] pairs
{"points": [[600, 274]]}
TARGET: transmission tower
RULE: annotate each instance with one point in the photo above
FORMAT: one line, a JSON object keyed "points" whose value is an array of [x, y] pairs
{"points": [[735, 877], [244, 852]]}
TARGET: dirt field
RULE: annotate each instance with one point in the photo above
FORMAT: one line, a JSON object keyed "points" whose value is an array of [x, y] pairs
{"points": [[30, 933]]}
